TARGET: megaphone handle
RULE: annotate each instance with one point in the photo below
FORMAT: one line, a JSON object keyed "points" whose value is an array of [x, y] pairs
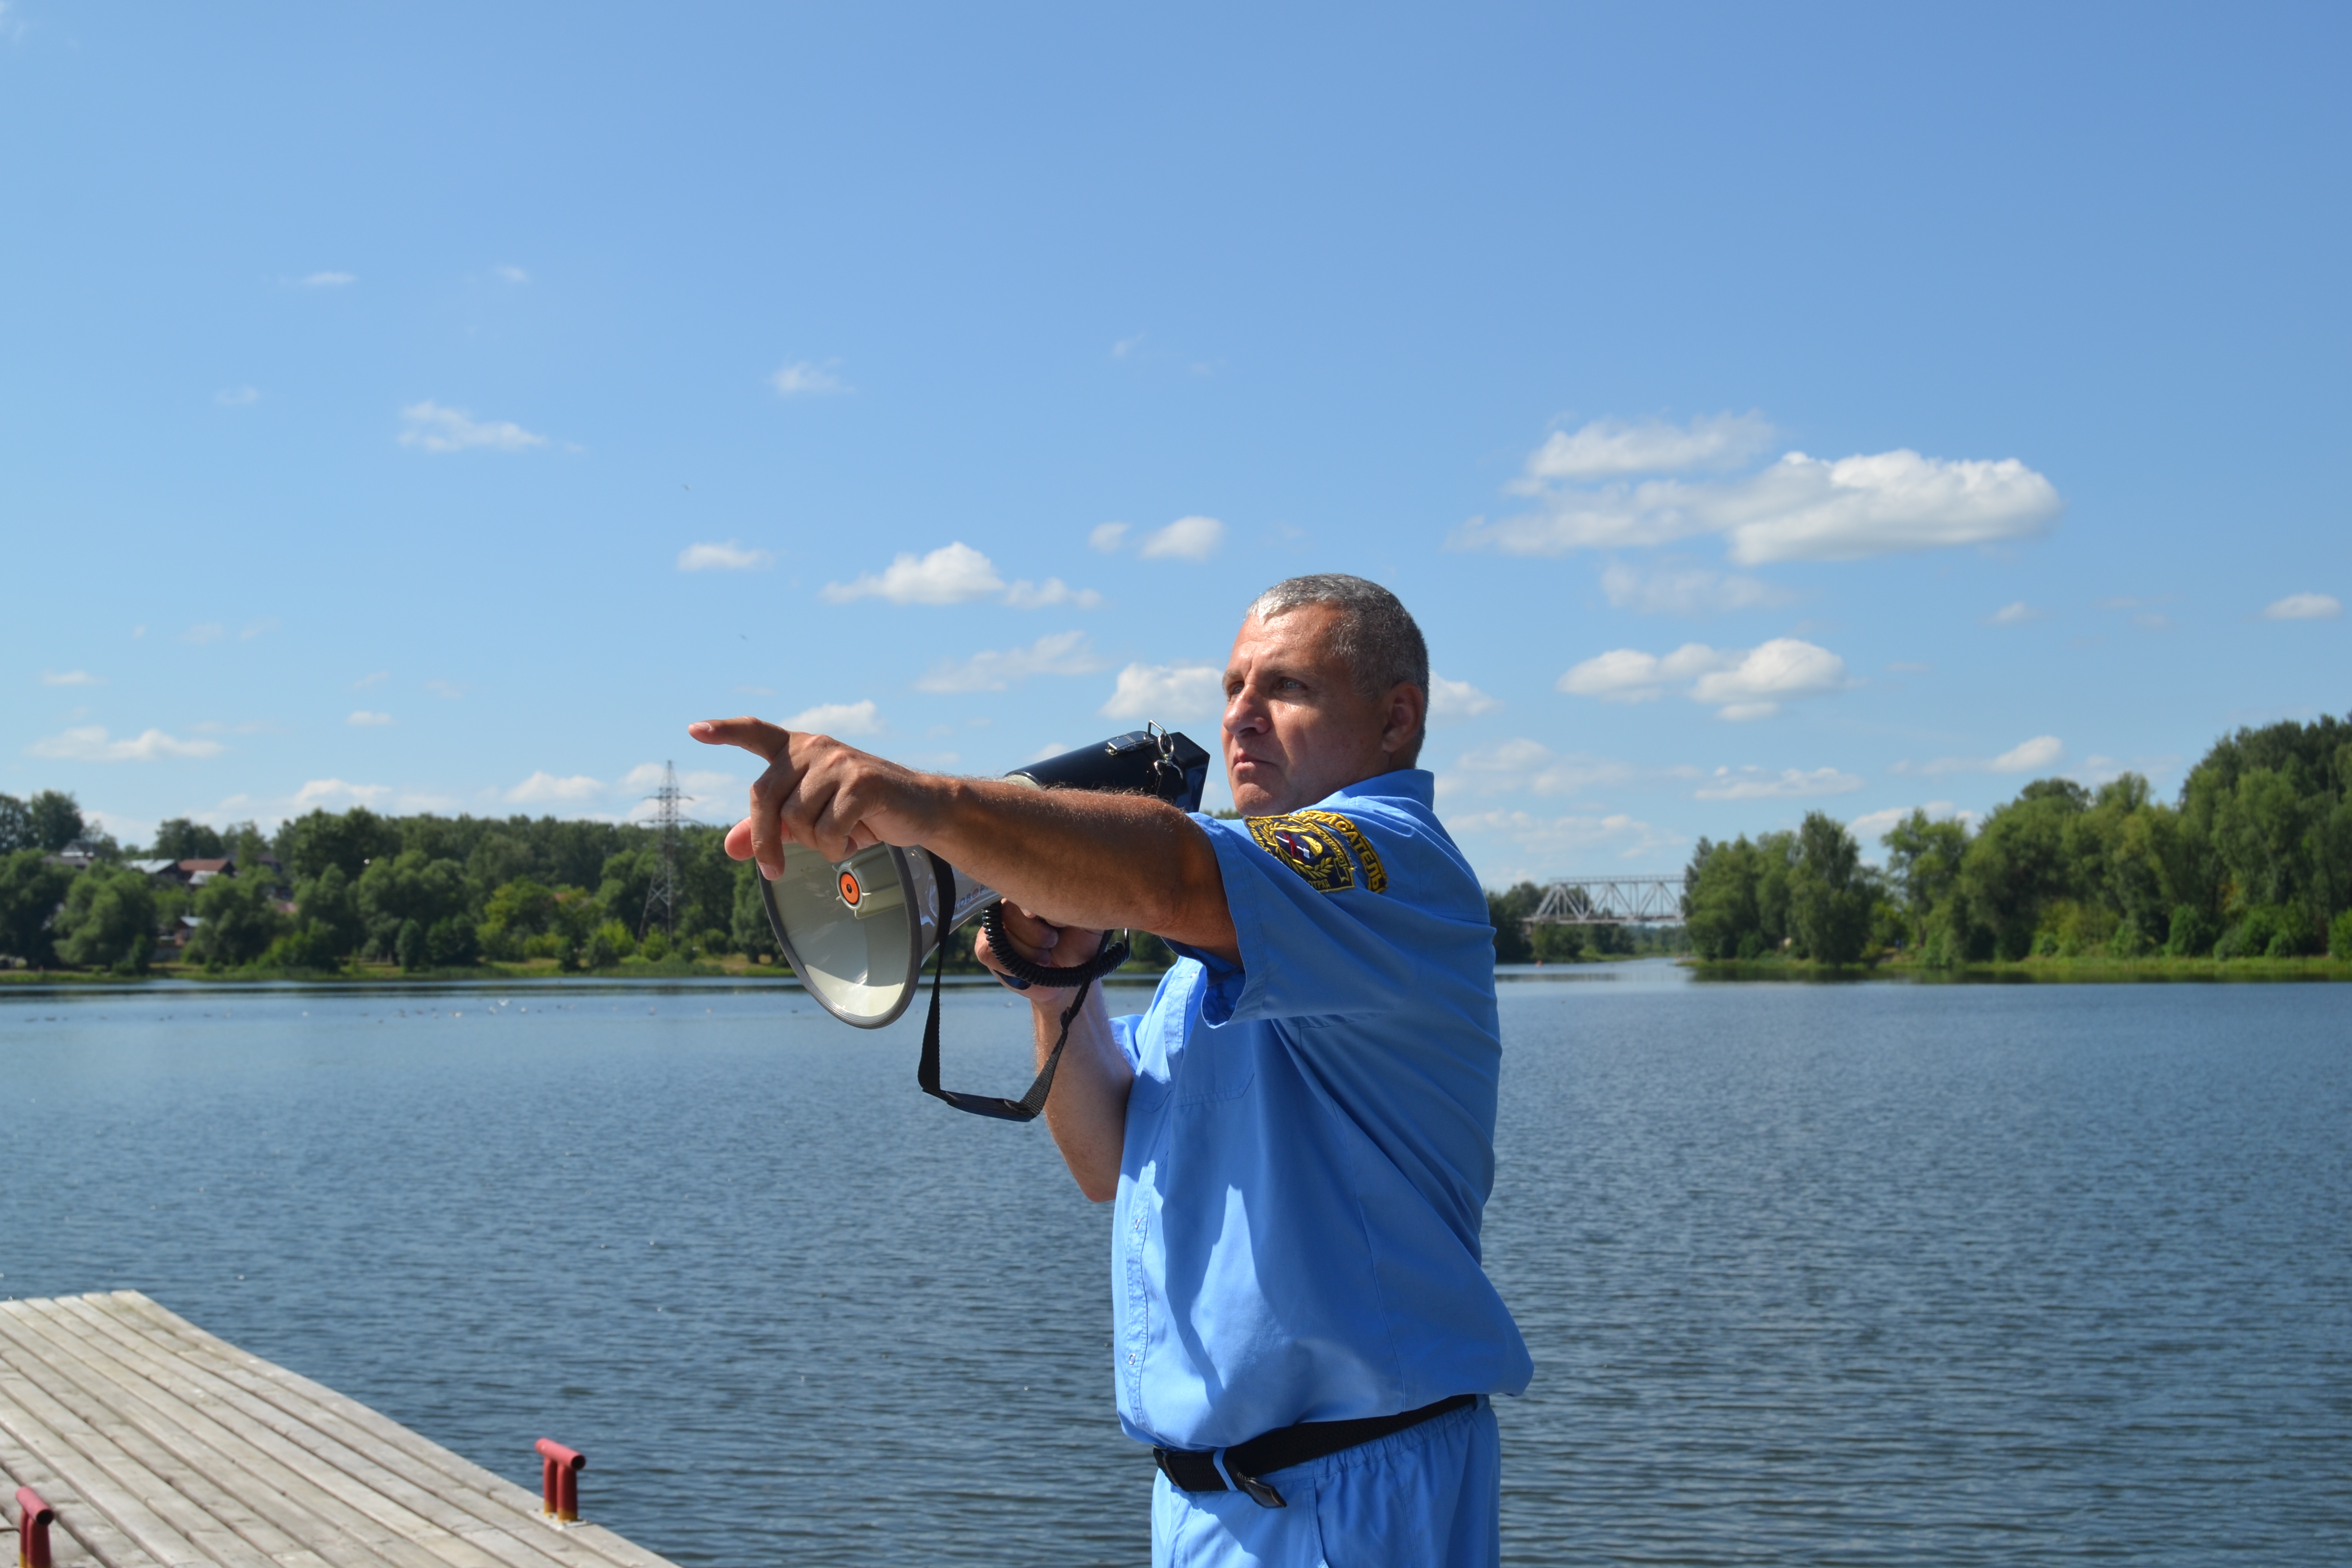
{"points": [[1027, 1108]]}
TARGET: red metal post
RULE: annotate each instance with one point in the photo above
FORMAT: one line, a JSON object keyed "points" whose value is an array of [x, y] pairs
{"points": [[560, 1470], [33, 1518]]}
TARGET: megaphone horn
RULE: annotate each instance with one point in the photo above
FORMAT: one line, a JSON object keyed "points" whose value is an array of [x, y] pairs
{"points": [[857, 932]]}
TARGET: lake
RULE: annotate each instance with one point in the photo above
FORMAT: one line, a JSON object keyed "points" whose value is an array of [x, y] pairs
{"points": [[1853, 1274]]}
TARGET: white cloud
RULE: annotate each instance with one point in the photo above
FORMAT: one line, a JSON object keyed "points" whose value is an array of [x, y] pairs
{"points": [[255, 628], [90, 744], [208, 631], [1799, 509], [1165, 691], [2304, 608], [1024, 594], [1186, 539], [1612, 448], [838, 719], [513, 274], [954, 574], [1869, 829], [321, 793], [1740, 685], [448, 690], [1126, 346], [1452, 701], [1059, 653], [71, 677], [1785, 667], [728, 556], [805, 378], [362, 717], [544, 788], [433, 428], [2040, 752], [1106, 536], [236, 396], [1685, 591], [1553, 838], [1513, 766], [951, 574], [365, 681], [1789, 784], [1629, 675], [329, 279], [2013, 614]]}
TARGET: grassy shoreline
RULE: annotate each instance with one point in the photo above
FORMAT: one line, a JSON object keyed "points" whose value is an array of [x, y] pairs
{"points": [[2086, 970]]}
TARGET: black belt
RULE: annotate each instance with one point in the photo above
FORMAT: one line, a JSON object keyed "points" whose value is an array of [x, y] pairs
{"points": [[1192, 1471]]}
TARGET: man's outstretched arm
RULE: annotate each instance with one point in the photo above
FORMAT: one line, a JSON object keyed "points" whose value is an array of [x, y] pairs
{"points": [[1071, 858]]}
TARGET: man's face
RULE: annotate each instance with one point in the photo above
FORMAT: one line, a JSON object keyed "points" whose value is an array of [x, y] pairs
{"points": [[1296, 728]]}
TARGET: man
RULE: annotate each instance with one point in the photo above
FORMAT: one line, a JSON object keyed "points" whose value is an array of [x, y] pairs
{"points": [[1298, 1132]]}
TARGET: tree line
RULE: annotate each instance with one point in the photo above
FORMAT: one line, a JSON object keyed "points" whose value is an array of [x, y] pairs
{"points": [[2252, 860], [325, 888]]}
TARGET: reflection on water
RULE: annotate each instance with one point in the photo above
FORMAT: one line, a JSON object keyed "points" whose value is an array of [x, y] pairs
{"points": [[1856, 1274]]}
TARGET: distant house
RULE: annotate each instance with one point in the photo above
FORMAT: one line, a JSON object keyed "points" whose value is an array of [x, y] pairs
{"points": [[156, 870], [196, 873], [172, 940], [82, 854]]}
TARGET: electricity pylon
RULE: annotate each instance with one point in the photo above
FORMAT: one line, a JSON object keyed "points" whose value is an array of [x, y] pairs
{"points": [[662, 891]]}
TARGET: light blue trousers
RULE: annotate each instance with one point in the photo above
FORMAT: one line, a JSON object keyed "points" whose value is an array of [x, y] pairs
{"points": [[1430, 1496]]}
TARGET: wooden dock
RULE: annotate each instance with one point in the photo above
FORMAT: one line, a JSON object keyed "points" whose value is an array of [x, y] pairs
{"points": [[160, 1445]]}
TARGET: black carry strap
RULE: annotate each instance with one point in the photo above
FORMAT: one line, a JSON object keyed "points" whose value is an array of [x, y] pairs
{"points": [[1025, 1108]]}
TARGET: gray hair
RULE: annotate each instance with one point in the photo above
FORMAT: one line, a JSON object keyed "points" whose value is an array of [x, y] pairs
{"points": [[1374, 635]]}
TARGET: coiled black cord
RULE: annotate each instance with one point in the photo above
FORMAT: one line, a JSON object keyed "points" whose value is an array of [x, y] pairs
{"points": [[1008, 959]]}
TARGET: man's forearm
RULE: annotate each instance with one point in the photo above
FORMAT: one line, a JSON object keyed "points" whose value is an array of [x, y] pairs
{"points": [[1096, 861], [1087, 1111]]}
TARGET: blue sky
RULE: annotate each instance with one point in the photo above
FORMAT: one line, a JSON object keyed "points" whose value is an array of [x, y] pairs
{"points": [[1763, 409]]}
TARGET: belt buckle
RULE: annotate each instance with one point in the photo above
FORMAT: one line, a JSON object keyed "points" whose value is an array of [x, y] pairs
{"points": [[1256, 1490]]}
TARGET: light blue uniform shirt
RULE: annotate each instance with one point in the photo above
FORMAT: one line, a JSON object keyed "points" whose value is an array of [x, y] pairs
{"points": [[1310, 1138]]}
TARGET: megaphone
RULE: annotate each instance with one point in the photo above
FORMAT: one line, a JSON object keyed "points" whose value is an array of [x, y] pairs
{"points": [[858, 931]]}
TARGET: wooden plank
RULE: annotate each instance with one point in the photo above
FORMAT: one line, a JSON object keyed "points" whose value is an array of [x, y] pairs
{"points": [[275, 1507], [392, 1509], [65, 1445], [82, 1537], [507, 1519], [515, 1534], [221, 1530]]}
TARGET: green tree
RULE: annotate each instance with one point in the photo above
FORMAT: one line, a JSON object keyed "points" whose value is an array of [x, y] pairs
{"points": [[108, 921], [1508, 911], [309, 844], [32, 891], [15, 826], [748, 921], [408, 887], [177, 839], [1923, 858], [240, 921], [56, 820], [2020, 862], [1829, 891], [329, 910]]}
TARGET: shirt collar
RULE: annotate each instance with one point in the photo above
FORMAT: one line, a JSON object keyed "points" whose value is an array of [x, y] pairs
{"points": [[1418, 785]]}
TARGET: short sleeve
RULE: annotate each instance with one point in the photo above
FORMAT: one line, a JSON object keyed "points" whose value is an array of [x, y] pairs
{"points": [[1337, 911]]}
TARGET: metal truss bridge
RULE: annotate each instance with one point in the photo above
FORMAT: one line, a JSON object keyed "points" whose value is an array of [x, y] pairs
{"points": [[1611, 901]]}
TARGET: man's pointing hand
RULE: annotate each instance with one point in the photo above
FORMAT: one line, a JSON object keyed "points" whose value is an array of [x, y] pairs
{"points": [[832, 798]]}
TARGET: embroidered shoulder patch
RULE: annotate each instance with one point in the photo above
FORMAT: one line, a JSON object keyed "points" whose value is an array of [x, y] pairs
{"points": [[1376, 876], [1308, 848]]}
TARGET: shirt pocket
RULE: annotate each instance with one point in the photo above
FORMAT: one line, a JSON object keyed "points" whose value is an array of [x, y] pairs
{"points": [[1210, 1064]]}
